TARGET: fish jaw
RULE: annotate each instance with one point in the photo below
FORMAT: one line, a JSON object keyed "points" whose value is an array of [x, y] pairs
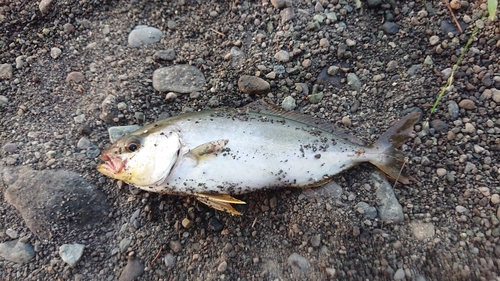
{"points": [[113, 165]]}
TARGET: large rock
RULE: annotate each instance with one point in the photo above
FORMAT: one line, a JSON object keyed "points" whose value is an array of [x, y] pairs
{"points": [[389, 209], [182, 78], [16, 251], [59, 201]]}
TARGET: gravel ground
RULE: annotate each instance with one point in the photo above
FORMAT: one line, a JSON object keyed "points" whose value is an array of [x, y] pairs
{"points": [[68, 73]]}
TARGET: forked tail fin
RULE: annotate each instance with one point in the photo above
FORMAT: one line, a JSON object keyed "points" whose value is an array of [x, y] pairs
{"points": [[392, 160]]}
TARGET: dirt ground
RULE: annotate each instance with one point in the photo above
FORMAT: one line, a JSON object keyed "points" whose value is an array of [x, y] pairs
{"points": [[381, 71]]}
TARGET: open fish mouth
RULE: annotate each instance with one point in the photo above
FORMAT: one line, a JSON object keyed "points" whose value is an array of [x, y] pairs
{"points": [[112, 164]]}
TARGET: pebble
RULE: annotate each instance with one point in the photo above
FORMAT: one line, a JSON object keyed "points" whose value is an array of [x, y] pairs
{"points": [[253, 85], [181, 78], [318, 8], [484, 191], [495, 199], [16, 251], [214, 224], [353, 81], [75, 76], [400, 274], [315, 98], [132, 270], [350, 42], [79, 118], [187, 223], [278, 4], [450, 27], [3, 100], [346, 121], [83, 143], [68, 27], [445, 73], [439, 125], [333, 70], [168, 55], [460, 209], [330, 271], [117, 132], [316, 240], [414, 69], [19, 62], [144, 35], [389, 208], [467, 104], [282, 56], [288, 103], [453, 110], [55, 52], [124, 245], [423, 230], [14, 234], [367, 210], [44, 6], [391, 66], [175, 246], [469, 166], [10, 147], [469, 128], [495, 95], [298, 263], [5, 71], [373, 3], [169, 260], [324, 43], [441, 172], [433, 40], [71, 253], [390, 28], [222, 266], [428, 60], [287, 14], [171, 96]]}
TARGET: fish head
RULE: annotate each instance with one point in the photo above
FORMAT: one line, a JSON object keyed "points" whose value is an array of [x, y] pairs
{"points": [[142, 158]]}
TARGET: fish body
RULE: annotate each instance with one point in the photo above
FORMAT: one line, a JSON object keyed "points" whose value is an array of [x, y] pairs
{"points": [[217, 153]]}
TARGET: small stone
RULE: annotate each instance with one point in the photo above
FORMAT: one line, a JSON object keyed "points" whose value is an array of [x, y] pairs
{"points": [[315, 98], [495, 199], [289, 103], [271, 75], [71, 253], [484, 191], [44, 6], [124, 244], [278, 4], [10, 147], [433, 40], [14, 234], [353, 81], [214, 224], [469, 166], [253, 85], [422, 230], [453, 110], [439, 125], [391, 66], [390, 28], [286, 14], [169, 260], [469, 128], [175, 246], [318, 8], [428, 60], [187, 223], [441, 172], [350, 42], [55, 52], [495, 95], [170, 96], [3, 100], [388, 206], [16, 251], [222, 266], [83, 143], [333, 70], [460, 209], [400, 274], [5, 71], [298, 263], [79, 118], [168, 55], [75, 76], [316, 240], [132, 270], [143, 35], [19, 62], [455, 4], [324, 43], [373, 3], [282, 56], [346, 121], [467, 104], [330, 271]]}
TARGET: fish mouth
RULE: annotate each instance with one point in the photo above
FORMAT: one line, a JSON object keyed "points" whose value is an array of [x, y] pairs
{"points": [[112, 164]]}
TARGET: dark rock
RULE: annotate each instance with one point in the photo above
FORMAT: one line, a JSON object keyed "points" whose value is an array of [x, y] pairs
{"points": [[109, 109], [84, 130], [325, 79], [390, 28], [58, 200], [373, 3], [448, 26], [439, 125], [214, 224]]}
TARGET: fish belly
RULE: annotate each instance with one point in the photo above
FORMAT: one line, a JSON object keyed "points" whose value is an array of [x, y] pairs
{"points": [[260, 153]]}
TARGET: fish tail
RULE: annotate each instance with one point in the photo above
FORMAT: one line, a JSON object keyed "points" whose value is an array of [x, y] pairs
{"points": [[391, 159]]}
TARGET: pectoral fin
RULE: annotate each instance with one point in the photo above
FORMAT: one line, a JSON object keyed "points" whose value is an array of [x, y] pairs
{"points": [[221, 202], [209, 148]]}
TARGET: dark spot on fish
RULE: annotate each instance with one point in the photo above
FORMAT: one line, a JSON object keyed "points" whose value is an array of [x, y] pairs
{"points": [[317, 156]]}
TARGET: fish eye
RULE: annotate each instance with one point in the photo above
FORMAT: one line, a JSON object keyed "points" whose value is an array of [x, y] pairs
{"points": [[132, 145]]}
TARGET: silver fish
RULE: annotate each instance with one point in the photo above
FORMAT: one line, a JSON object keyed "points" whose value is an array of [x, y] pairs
{"points": [[218, 153]]}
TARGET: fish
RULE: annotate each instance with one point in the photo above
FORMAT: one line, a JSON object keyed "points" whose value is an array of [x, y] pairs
{"points": [[215, 154]]}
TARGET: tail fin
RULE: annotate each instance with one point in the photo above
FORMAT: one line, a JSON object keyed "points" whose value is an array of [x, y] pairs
{"points": [[392, 160]]}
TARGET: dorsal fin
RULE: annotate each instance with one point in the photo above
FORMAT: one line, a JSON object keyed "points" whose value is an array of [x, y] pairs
{"points": [[263, 106]]}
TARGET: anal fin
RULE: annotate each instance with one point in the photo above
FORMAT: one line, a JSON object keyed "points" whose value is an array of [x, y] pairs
{"points": [[221, 202]]}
